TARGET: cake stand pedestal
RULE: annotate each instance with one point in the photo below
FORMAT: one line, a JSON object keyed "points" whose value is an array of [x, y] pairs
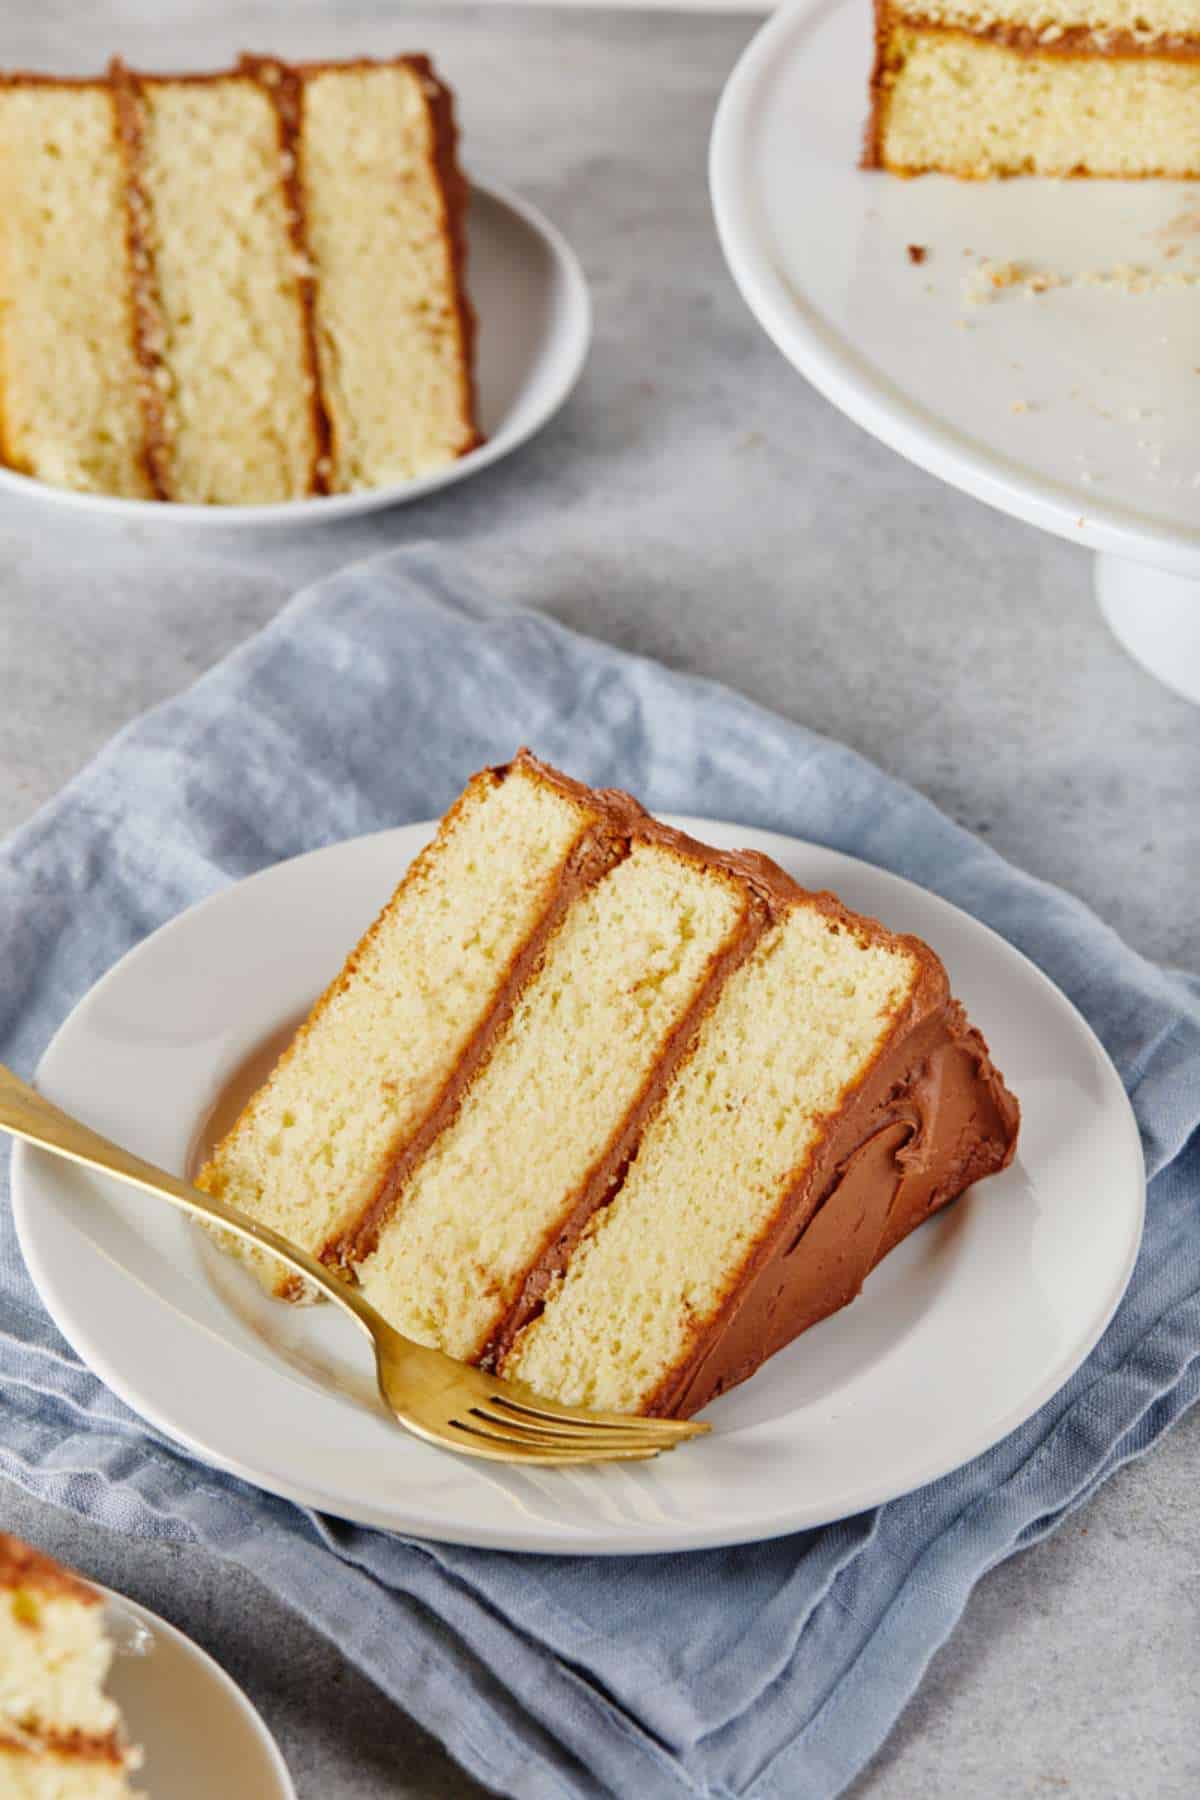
{"points": [[1035, 343], [1156, 617]]}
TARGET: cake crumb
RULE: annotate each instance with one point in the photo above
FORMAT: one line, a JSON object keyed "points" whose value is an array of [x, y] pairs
{"points": [[1184, 224], [917, 253]]}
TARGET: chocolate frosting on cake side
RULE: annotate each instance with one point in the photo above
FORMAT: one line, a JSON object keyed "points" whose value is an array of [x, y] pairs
{"points": [[931, 1117]]}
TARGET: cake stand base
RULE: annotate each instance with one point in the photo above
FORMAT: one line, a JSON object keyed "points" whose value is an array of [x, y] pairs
{"points": [[1156, 617]]}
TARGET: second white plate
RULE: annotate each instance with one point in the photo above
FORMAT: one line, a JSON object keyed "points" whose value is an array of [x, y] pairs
{"points": [[957, 1338], [199, 1733]]}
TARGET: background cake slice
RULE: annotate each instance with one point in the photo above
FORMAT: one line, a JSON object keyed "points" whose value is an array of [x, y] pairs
{"points": [[61, 1736], [1036, 87], [233, 289], [70, 381], [609, 1110]]}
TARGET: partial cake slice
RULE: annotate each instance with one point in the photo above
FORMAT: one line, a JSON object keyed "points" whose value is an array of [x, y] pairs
{"points": [[1036, 87], [71, 386], [233, 289], [61, 1736], [610, 1110]]}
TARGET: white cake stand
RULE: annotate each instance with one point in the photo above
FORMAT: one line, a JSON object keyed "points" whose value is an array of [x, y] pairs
{"points": [[1075, 408]]}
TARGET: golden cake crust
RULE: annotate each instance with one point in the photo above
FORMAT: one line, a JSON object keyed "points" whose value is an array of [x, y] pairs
{"points": [[21, 1566]]}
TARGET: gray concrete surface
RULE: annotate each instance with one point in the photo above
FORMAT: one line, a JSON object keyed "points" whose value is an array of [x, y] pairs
{"points": [[698, 502]]}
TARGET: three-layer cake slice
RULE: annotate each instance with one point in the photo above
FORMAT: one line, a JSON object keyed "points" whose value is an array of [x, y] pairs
{"points": [[235, 288], [610, 1110]]}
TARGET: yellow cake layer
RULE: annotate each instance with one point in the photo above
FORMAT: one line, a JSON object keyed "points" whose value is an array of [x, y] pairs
{"points": [[968, 107], [240, 394], [1145, 21], [793, 1030], [631, 957], [360, 1079], [54, 1660], [70, 411], [27, 1774], [390, 341]]}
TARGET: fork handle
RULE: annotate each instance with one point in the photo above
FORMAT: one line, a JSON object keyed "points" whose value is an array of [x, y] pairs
{"points": [[29, 1115]]}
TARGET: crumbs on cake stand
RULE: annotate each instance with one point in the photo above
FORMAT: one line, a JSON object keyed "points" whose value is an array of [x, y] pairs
{"points": [[989, 279]]}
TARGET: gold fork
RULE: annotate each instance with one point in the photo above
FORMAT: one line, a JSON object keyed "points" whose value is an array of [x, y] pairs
{"points": [[443, 1401]]}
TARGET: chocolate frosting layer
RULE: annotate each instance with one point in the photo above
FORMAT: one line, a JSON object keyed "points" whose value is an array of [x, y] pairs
{"points": [[73, 1746]]}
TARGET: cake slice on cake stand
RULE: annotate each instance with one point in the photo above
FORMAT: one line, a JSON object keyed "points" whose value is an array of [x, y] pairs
{"points": [[1035, 342]]}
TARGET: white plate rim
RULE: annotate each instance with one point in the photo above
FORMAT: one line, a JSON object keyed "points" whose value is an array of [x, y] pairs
{"points": [[829, 362], [322, 509], [212, 1671], [628, 1541]]}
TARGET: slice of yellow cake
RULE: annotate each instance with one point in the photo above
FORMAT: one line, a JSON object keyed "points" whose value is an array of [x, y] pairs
{"points": [[71, 386], [61, 1736], [612, 1111], [239, 288], [1036, 87]]}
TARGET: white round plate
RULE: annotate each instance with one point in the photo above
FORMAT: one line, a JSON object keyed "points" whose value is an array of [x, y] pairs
{"points": [[958, 1337], [200, 1734], [1074, 409], [535, 325]]}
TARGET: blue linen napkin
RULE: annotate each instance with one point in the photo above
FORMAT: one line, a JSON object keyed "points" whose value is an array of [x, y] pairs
{"points": [[768, 1672]]}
